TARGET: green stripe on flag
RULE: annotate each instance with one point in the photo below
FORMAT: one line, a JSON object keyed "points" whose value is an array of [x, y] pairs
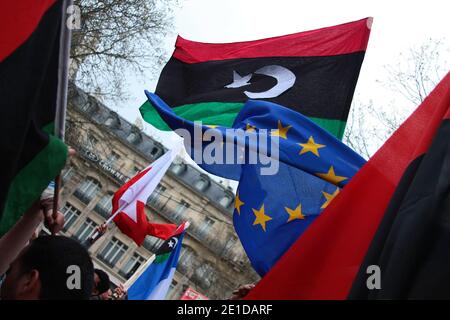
{"points": [[162, 257], [217, 113], [29, 183], [335, 127], [222, 114]]}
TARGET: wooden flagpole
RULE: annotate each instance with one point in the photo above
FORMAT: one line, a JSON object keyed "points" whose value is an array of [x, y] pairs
{"points": [[61, 95]]}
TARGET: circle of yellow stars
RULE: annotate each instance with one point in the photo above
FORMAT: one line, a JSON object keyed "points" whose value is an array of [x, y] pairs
{"points": [[261, 217]]}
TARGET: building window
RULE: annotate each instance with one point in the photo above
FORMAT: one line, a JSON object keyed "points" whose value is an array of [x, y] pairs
{"points": [[89, 106], [112, 252], [154, 197], [186, 258], [180, 209], [203, 275], [202, 184], [134, 138], [71, 215], [203, 270], [67, 174], [134, 171], [113, 158], [154, 151], [86, 106], [152, 244], [85, 230], [226, 201], [87, 190], [205, 227], [92, 142], [172, 289], [179, 168], [113, 120], [104, 206], [132, 265], [229, 246]]}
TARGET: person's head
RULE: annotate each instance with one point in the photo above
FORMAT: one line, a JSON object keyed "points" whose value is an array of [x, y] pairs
{"points": [[50, 268], [102, 287]]}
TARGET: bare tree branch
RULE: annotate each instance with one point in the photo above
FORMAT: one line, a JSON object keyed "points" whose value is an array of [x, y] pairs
{"points": [[118, 36], [413, 77]]}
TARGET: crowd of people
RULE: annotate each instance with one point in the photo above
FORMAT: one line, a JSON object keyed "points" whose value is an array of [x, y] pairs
{"points": [[54, 267], [50, 267]]}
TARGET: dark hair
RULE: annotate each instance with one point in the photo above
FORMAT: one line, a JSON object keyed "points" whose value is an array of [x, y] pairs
{"points": [[103, 284], [52, 256]]}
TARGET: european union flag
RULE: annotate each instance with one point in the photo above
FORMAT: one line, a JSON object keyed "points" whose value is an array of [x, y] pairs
{"points": [[271, 210]]}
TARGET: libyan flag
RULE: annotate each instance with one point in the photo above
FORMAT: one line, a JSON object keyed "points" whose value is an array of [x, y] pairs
{"points": [[29, 53], [386, 235], [313, 72], [155, 280]]}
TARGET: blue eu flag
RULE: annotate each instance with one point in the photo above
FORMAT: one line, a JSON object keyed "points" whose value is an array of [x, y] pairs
{"points": [[272, 210]]}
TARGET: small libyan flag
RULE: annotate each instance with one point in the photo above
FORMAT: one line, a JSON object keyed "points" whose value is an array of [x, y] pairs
{"points": [[312, 72]]}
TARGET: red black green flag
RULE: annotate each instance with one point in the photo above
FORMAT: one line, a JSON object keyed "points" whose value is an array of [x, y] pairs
{"points": [[313, 72], [29, 51], [392, 219]]}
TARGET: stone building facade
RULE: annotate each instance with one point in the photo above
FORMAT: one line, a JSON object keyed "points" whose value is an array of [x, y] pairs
{"points": [[110, 150]]}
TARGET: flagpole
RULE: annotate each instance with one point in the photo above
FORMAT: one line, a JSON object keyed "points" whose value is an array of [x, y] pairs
{"points": [[143, 267], [94, 233], [61, 94]]}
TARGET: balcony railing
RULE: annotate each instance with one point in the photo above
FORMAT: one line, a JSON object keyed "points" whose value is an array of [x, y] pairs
{"points": [[183, 267], [150, 245], [207, 239], [204, 280], [101, 210], [82, 196]]}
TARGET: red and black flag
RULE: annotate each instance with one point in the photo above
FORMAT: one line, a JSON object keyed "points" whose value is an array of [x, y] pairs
{"points": [[29, 53], [312, 72], [393, 217]]}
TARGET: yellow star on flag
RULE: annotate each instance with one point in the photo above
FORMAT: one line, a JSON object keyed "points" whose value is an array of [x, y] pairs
{"points": [[311, 146], [261, 217], [238, 203], [281, 131], [329, 197], [295, 214], [330, 176], [250, 128]]}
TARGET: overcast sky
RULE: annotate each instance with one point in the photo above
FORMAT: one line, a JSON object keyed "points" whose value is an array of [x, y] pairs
{"points": [[398, 25]]}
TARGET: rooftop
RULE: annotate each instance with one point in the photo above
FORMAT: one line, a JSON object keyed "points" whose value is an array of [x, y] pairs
{"points": [[220, 196]]}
